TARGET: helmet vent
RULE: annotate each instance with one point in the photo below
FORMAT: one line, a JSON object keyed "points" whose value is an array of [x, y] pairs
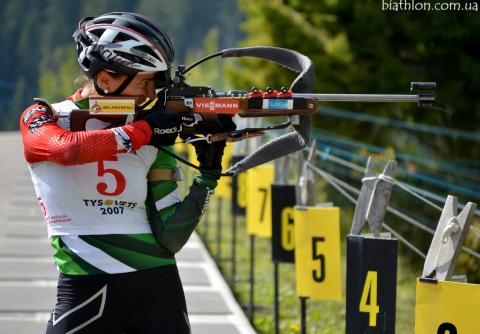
{"points": [[97, 32], [107, 20], [148, 51], [134, 58], [123, 37]]}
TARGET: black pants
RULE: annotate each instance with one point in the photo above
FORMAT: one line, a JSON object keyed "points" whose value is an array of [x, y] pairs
{"points": [[141, 302]]}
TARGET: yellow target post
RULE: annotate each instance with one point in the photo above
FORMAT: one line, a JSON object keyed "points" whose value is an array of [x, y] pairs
{"points": [[192, 158], [317, 252], [238, 206], [224, 187], [259, 201], [259, 217], [181, 148], [239, 203], [444, 307]]}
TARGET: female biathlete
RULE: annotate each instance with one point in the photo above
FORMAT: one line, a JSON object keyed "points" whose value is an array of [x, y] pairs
{"points": [[109, 195]]}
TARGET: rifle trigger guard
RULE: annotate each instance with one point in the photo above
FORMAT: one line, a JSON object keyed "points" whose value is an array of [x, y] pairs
{"points": [[208, 138]]}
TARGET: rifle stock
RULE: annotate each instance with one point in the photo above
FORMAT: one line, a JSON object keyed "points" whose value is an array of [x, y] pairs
{"points": [[210, 107]]}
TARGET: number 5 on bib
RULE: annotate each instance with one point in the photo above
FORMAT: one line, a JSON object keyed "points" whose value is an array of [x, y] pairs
{"points": [[120, 182]]}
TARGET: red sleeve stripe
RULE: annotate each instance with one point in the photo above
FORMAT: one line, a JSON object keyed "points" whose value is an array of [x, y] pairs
{"points": [[44, 140]]}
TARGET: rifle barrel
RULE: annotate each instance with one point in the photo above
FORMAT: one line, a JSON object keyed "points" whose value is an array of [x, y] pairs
{"points": [[368, 97]]}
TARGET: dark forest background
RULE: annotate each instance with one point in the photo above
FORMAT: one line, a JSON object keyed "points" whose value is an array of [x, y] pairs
{"points": [[38, 54]]}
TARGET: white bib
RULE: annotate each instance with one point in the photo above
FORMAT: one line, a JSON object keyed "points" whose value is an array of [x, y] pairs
{"points": [[104, 197]]}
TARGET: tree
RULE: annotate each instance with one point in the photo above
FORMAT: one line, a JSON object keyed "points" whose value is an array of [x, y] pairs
{"points": [[357, 47], [38, 48]]}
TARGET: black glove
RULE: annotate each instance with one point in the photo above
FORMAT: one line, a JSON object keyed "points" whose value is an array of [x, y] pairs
{"points": [[210, 155], [165, 127], [220, 124]]}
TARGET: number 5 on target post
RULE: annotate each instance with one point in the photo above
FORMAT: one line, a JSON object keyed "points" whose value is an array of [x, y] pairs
{"points": [[317, 252]]}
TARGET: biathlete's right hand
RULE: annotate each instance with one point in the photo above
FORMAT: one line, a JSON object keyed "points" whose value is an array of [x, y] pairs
{"points": [[165, 127]]}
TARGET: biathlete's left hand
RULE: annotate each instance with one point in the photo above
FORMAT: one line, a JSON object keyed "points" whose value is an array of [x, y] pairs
{"points": [[209, 155]]}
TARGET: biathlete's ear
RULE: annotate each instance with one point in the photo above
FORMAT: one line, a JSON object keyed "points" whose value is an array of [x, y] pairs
{"points": [[109, 82], [103, 79]]}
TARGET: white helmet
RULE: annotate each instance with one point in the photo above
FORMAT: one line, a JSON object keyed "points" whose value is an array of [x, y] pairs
{"points": [[123, 43]]}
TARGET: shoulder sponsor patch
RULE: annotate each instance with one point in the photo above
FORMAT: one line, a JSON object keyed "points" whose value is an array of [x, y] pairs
{"points": [[123, 140], [39, 121], [31, 112]]}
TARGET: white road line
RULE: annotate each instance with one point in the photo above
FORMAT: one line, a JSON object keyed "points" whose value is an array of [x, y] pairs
{"points": [[29, 284], [192, 264], [43, 317], [212, 319], [48, 260], [36, 316], [199, 288], [192, 244]]}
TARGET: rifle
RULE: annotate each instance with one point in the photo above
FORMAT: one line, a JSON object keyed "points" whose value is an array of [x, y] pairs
{"points": [[295, 102]]}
